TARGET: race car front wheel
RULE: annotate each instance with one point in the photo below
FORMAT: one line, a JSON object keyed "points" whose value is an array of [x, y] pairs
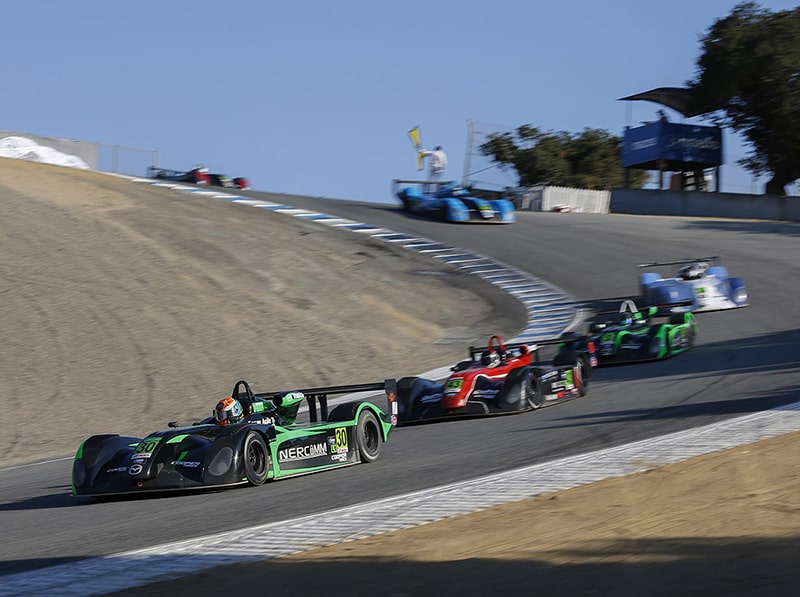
{"points": [[256, 458], [368, 436]]}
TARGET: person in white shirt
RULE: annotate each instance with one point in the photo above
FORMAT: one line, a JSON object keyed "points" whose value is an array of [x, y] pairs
{"points": [[437, 162]]}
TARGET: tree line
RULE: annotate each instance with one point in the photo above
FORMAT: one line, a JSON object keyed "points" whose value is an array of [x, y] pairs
{"points": [[747, 78]]}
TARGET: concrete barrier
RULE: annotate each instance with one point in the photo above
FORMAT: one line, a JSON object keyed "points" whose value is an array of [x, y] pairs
{"points": [[544, 198], [701, 204]]}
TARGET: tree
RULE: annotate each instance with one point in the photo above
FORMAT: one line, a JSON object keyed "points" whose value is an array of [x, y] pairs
{"points": [[748, 78], [591, 159]]}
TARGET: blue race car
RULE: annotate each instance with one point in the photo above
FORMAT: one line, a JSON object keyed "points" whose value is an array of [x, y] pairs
{"points": [[697, 287], [452, 203]]}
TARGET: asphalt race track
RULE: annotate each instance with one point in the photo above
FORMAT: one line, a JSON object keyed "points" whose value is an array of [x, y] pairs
{"points": [[745, 361]]}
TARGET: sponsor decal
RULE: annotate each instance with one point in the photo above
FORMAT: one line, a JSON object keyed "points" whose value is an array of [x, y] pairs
{"points": [[631, 345], [339, 457], [486, 394], [186, 463], [453, 386], [135, 469], [644, 144], [338, 441], [119, 469], [302, 452], [146, 447]]}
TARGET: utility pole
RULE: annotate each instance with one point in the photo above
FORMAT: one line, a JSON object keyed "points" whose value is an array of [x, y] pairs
{"points": [[468, 156]]}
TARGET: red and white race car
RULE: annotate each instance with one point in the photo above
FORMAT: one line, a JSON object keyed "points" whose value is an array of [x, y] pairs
{"points": [[500, 379]]}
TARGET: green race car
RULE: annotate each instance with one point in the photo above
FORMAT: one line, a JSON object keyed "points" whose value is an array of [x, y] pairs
{"points": [[249, 439], [633, 335]]}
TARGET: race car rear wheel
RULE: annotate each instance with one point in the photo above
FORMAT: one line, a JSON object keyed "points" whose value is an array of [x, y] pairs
{"points": [[368, 436], [256, 458], [534, 392], [584, 374]]}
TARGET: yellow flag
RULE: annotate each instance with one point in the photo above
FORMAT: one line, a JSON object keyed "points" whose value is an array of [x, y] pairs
{"points": [[416, 141]]}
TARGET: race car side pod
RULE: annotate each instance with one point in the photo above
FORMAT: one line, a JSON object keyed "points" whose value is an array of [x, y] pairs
{"points": [[319, 396], [679, 261]]}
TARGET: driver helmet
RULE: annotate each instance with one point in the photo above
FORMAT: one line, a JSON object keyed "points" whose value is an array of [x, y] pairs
{"points": [[626, 318], [228, 411], [490, 358], [693, 271]]}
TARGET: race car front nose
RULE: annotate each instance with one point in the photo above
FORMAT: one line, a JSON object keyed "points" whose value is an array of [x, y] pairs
{"points": [[79, 473]]}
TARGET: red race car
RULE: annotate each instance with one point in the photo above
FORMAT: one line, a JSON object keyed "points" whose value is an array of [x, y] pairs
{"points": [[200, 175], [500, 379]]}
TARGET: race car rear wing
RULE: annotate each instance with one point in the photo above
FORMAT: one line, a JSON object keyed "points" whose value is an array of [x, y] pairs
{"points": [[317, 398], [153, 170], [475, 352], [648, 312], [685, 261], [425, 183]]}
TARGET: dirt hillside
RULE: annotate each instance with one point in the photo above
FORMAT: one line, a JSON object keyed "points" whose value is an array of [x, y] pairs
{"points": [[126, 305]]}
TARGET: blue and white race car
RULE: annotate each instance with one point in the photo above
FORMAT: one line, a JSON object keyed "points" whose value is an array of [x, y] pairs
{"points": [[452, 203], [700, 284]]}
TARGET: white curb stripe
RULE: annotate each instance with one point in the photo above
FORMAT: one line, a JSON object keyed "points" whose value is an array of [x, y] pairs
{"points": [[535, 294]]}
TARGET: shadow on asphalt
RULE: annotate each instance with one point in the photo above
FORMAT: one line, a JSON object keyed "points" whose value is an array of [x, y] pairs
{"points": [[654, 567], [745, 226]]}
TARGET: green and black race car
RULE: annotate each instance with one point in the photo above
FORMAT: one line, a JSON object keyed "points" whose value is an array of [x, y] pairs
{"points": [[264, 441], [633, 335]]}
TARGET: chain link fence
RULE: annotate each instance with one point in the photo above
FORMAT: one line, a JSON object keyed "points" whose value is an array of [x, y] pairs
{"points": [[120, 159], [480, 171]]}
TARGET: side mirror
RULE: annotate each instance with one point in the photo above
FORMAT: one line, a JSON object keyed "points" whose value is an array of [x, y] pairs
{"points": [[173, 424]]}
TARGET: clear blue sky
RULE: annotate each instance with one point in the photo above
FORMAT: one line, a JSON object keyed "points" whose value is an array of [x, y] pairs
{"points": [[316, 97]]}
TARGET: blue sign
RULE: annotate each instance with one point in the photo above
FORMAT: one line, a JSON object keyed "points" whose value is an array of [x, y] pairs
{"points": [[672, 146]]}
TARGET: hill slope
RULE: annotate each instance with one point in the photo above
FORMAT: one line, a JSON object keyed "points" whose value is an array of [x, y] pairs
{"points": [[127, 306]]}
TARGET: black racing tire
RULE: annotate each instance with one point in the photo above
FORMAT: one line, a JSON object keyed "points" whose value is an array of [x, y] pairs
{"points": [[584, 371], [535, 394], [256, 458], [516, 392], [368, 436]]}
